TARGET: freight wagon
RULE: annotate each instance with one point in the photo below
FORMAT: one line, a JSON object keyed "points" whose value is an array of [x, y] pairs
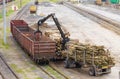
{"points": [[39, 47]]}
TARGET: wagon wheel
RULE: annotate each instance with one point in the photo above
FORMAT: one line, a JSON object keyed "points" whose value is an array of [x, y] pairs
{"points": [[53, 59], [92, 71], [35, 61], [67, 63], [47, 62], [42, 61], [78, 65]]}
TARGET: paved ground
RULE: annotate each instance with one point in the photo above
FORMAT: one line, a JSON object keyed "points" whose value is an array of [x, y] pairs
{"points": [[80, 28], [104, 13], [86, 31]]}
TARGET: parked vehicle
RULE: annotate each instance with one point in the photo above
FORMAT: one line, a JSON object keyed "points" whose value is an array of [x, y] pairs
{"points": [[33, 9]]}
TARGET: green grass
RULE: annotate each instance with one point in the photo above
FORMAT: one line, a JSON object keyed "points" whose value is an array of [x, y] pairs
{"points": [[9, 12], [3, 45], [54, 1], [38, 78], [14, 66], [49, 0], [33, 68], [0, 15], [24, 72]]}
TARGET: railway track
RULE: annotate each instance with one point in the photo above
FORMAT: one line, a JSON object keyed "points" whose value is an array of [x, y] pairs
{"points": [[55, 74], [61, 73], [102, 20], [43, 69], [52, 72], [22, 12], [5, 71]]}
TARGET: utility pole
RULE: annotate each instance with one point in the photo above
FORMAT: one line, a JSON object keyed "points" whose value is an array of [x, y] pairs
{"points": [[4, 21]]}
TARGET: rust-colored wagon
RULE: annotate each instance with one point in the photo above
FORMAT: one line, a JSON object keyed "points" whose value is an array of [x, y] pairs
{"points": [[41, 49]]}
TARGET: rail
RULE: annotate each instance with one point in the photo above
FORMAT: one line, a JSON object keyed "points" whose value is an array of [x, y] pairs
{"points": [[102, 20], [46, 72], [61, 73], [53, 76], [23, 10]]}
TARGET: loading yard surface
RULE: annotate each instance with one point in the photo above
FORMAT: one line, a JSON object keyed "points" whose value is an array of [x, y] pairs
{"points": [[80, 27], [86, 31], [112, 16]]}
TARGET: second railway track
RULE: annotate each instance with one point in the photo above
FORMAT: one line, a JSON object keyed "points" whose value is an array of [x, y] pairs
{"points": [[5, 71], [52, 72], [22, 12], [104, 21]]}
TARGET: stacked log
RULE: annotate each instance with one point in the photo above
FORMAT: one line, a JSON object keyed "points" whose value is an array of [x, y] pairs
{"points": [[92, 54]]}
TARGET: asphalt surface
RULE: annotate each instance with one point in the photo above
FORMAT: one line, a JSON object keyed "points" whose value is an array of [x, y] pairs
{"points": [[87, 31], [81, 28]]}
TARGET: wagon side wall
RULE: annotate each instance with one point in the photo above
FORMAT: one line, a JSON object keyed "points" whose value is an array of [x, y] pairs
{"points": [[25, 42]]}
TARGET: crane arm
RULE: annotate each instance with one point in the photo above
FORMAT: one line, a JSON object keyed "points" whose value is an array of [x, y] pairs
{"points": [[64, 38]]}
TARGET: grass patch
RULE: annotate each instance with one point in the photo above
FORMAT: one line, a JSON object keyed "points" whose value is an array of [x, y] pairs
{"points": [[3, 45], [33, 68], [0, 15], [54, 1], [19, 71], [14, 66], [49, 0], [9, 12], [38, 78], [24, 72]]}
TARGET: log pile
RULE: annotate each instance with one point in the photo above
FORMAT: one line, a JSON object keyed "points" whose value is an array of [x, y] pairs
{"points": [[89, 53]]}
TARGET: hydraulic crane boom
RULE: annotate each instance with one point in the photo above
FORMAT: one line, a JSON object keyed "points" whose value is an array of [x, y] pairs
{"points": [[64, 38]]}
